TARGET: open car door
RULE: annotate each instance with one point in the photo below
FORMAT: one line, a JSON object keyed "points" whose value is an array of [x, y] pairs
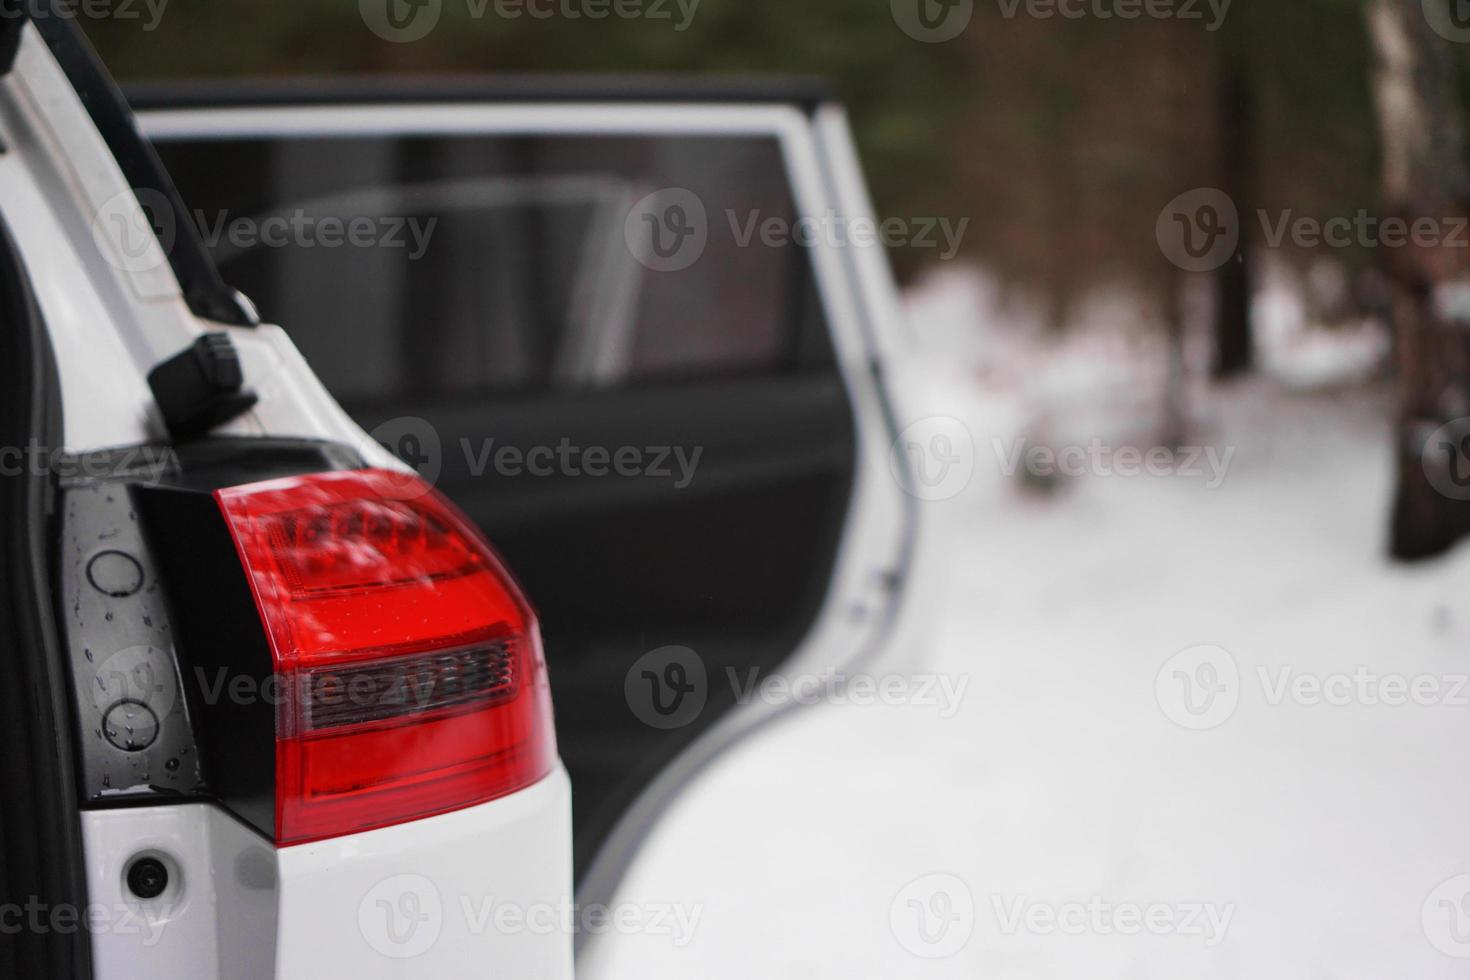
{"points": [[622, 330]]}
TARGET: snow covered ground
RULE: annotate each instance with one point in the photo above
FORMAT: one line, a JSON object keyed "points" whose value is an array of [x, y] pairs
{"points": [[1204, 733]]}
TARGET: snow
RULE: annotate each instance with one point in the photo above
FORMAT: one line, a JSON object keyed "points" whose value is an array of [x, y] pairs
{"points": [[1294, 838]]}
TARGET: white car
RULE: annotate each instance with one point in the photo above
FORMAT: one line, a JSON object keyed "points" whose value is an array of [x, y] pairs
{"points": [[274, 705]]}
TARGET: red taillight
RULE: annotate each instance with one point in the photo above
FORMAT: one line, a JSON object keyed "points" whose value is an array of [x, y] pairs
{"points": [[409, 664]]}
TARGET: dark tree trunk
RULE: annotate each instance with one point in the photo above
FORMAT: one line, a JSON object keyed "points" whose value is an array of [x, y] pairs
{"points": [[1234, 349], [1175, 433], [1425, 176]]}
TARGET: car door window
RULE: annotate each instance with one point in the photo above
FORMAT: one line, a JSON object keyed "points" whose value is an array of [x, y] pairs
{"points": [[490, 265]]}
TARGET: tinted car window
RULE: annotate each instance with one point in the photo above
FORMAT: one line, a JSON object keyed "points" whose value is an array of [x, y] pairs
{"points": [[486, 265]]}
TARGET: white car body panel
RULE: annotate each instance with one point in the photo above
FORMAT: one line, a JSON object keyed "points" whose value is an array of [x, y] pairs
{"points": [[237, 906], [409, 900]]}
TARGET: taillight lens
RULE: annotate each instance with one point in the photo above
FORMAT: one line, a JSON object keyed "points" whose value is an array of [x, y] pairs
{"points": [[409, 664]]}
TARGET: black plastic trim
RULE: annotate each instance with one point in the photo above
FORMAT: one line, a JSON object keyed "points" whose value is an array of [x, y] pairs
{"points": [[201, 387], [232, 461], [135, 731], [220, 640], [205, 292], [805, 93], [11, 21], [41, 854]]}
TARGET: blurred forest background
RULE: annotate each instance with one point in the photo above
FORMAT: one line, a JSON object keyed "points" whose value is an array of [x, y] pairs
{"points": [[1061, 139]]}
